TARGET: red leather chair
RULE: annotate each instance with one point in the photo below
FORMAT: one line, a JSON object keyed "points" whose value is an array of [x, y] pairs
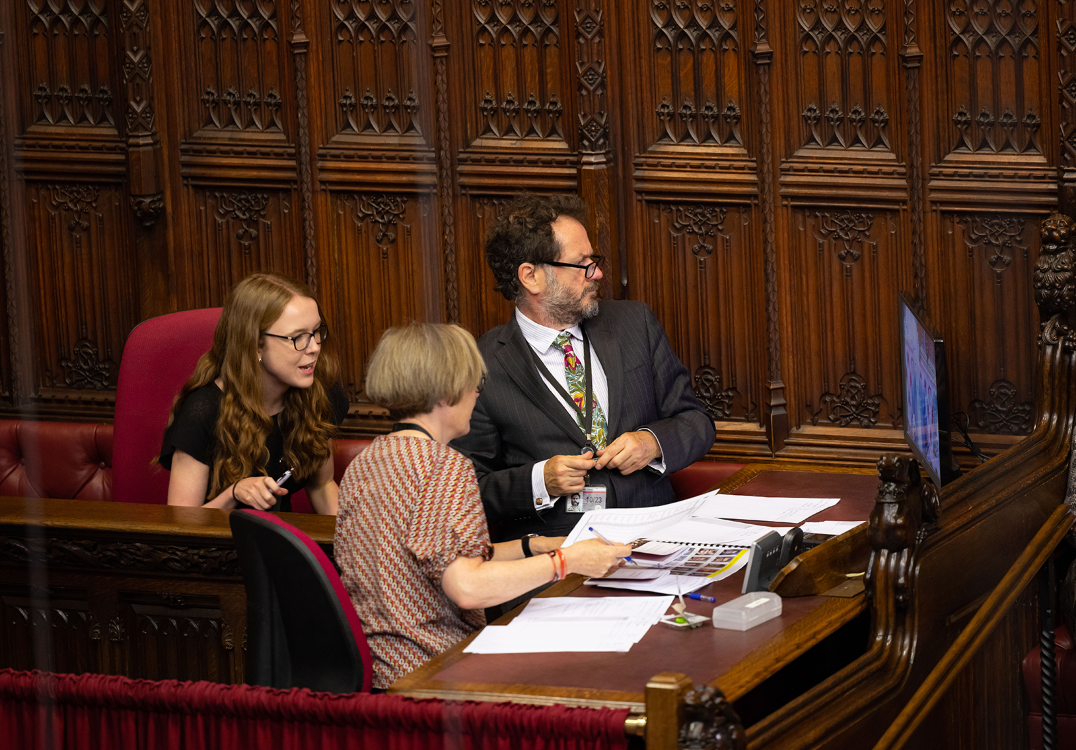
{"points": [[302, 628], [158, 358]]}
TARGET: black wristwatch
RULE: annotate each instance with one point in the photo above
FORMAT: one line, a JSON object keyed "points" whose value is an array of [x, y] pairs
{"points": [[525, 541]]}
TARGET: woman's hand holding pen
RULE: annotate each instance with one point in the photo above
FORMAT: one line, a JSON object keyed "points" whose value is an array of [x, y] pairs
{"points": [[259, 493], [594, 557]]}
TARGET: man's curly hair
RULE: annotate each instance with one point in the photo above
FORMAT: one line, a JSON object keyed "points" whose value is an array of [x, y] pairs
{"points": [[523, 233]]}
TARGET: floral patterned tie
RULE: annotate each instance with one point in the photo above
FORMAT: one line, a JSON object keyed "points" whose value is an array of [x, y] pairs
{"points": [[573, 372]]}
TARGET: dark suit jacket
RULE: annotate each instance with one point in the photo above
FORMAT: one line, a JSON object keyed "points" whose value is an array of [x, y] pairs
{"points": [[517, 420]]}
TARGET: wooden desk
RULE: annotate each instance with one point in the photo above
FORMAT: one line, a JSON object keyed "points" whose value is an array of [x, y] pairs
{"points": [[732, 661], [147, 591]]}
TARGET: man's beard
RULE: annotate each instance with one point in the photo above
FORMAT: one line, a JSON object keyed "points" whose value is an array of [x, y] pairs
{"points": [[563, 308]]}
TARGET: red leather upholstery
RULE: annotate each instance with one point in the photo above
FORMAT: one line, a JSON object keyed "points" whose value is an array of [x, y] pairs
{"points": [[56, 459], [69, 460], [1065, 700], [158, 358]]}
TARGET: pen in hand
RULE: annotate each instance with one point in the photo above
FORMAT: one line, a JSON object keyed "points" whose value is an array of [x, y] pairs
{"points": [[602, 537], [286, 476]]}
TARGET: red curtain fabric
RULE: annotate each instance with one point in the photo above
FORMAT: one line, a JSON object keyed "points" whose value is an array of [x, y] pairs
{"points": [[42, 711]]}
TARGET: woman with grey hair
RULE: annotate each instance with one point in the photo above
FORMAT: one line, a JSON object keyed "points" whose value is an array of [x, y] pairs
{"points": [[411, 534]]}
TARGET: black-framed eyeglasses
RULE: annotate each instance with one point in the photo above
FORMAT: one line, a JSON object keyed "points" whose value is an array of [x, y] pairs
{"points": [[596, 262], [302, 341]]}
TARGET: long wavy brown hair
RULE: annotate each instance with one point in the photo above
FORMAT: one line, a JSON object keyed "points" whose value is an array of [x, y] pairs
{"points": [[306, 420]]}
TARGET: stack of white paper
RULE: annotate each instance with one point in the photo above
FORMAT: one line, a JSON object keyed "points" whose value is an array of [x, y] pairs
{"points": [[573, 624]]}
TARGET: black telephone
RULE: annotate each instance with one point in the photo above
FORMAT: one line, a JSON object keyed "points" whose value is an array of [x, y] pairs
{"points": [[768, 555]]}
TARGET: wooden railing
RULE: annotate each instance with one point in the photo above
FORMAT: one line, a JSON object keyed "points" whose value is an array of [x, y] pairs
{"points": [[982, 625]]}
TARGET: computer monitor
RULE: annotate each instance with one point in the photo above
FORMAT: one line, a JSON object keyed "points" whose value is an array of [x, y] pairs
{"points": [[926, 393]]}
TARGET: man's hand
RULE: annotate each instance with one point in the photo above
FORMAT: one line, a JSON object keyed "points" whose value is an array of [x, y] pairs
{"points": [[565, 475], [629, 452]]}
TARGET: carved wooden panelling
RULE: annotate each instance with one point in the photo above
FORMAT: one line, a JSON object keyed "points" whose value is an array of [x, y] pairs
{"points": [[481, 306], [1066, 48], [237, 232], [240, 67], [766, 175], [175, 637], [520, 70], [695, 280], [68, 64], [697, 88], [845, 73], [994, 70], [382, 273], [379, 85], [846, 267], [991, 318], [83, 269], [55, 632]]}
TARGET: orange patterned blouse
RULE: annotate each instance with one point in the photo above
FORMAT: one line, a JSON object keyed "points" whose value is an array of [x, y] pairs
{"points": [[408, 508]]}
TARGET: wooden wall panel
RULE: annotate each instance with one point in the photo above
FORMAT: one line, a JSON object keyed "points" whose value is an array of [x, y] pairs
{"points": [[83, 279], [766, 175], [382, 273], [845, 264]]}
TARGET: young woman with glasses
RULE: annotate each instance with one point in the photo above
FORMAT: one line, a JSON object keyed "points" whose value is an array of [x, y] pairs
{"points": [[255, 422]]}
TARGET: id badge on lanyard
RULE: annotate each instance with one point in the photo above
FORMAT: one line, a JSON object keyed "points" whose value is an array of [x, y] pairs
{"points": [[591, 498]]}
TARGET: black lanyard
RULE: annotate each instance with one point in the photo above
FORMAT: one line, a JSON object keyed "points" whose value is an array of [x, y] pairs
{"points": [[399, 426], [586, 418]]}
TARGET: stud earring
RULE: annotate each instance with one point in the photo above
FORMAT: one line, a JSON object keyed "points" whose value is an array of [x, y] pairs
{"points": [[259, 360]]}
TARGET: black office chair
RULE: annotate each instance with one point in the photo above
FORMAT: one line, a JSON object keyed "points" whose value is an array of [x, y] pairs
{"points": [[302, 628]]}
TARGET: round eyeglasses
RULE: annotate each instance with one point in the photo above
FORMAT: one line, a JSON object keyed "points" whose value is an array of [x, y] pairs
{"points": [[597, 261], [302, 341]]}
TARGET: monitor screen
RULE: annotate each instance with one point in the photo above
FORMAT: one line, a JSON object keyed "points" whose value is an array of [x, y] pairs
{"points": [[926, 393]]}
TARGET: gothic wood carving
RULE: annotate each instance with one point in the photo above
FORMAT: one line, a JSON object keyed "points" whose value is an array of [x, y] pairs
{"points": [[842, 41], [906, 511], [1055, 284], [911, 57], [991, 34], [519, 67], [7, 246], [776, 414], [710, 723], [851, 405], [701, 104], [133, 556], [1002, 411], [300, 46], [440, 46], [591, 70], [996, 236], [1066, 47], [69, 72]]}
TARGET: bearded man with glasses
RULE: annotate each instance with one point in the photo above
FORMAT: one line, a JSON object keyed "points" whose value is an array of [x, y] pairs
{"points": [[584, 397]]}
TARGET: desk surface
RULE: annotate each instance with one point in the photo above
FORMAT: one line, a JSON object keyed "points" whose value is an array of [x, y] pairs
{"points": [[730, 660]]}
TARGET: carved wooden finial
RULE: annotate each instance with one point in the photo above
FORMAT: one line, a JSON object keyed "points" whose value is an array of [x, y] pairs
{"points": [[710, 723], [1055, 286]]}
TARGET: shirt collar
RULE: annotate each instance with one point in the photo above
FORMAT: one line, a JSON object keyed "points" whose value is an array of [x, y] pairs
{"points": [[540, 337]]}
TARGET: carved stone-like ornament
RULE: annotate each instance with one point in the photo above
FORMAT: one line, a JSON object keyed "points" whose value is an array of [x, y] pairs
{"points": [[1055, 286], [906, 511], [849, 230], [175, 601], [245, 208], [386, 211], [147, 208], [710, 723], [699, 220], [1001, 412], [134, 556], [84, 369], [718, 401], [850, 404], [116, 632], [999, 235]]}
